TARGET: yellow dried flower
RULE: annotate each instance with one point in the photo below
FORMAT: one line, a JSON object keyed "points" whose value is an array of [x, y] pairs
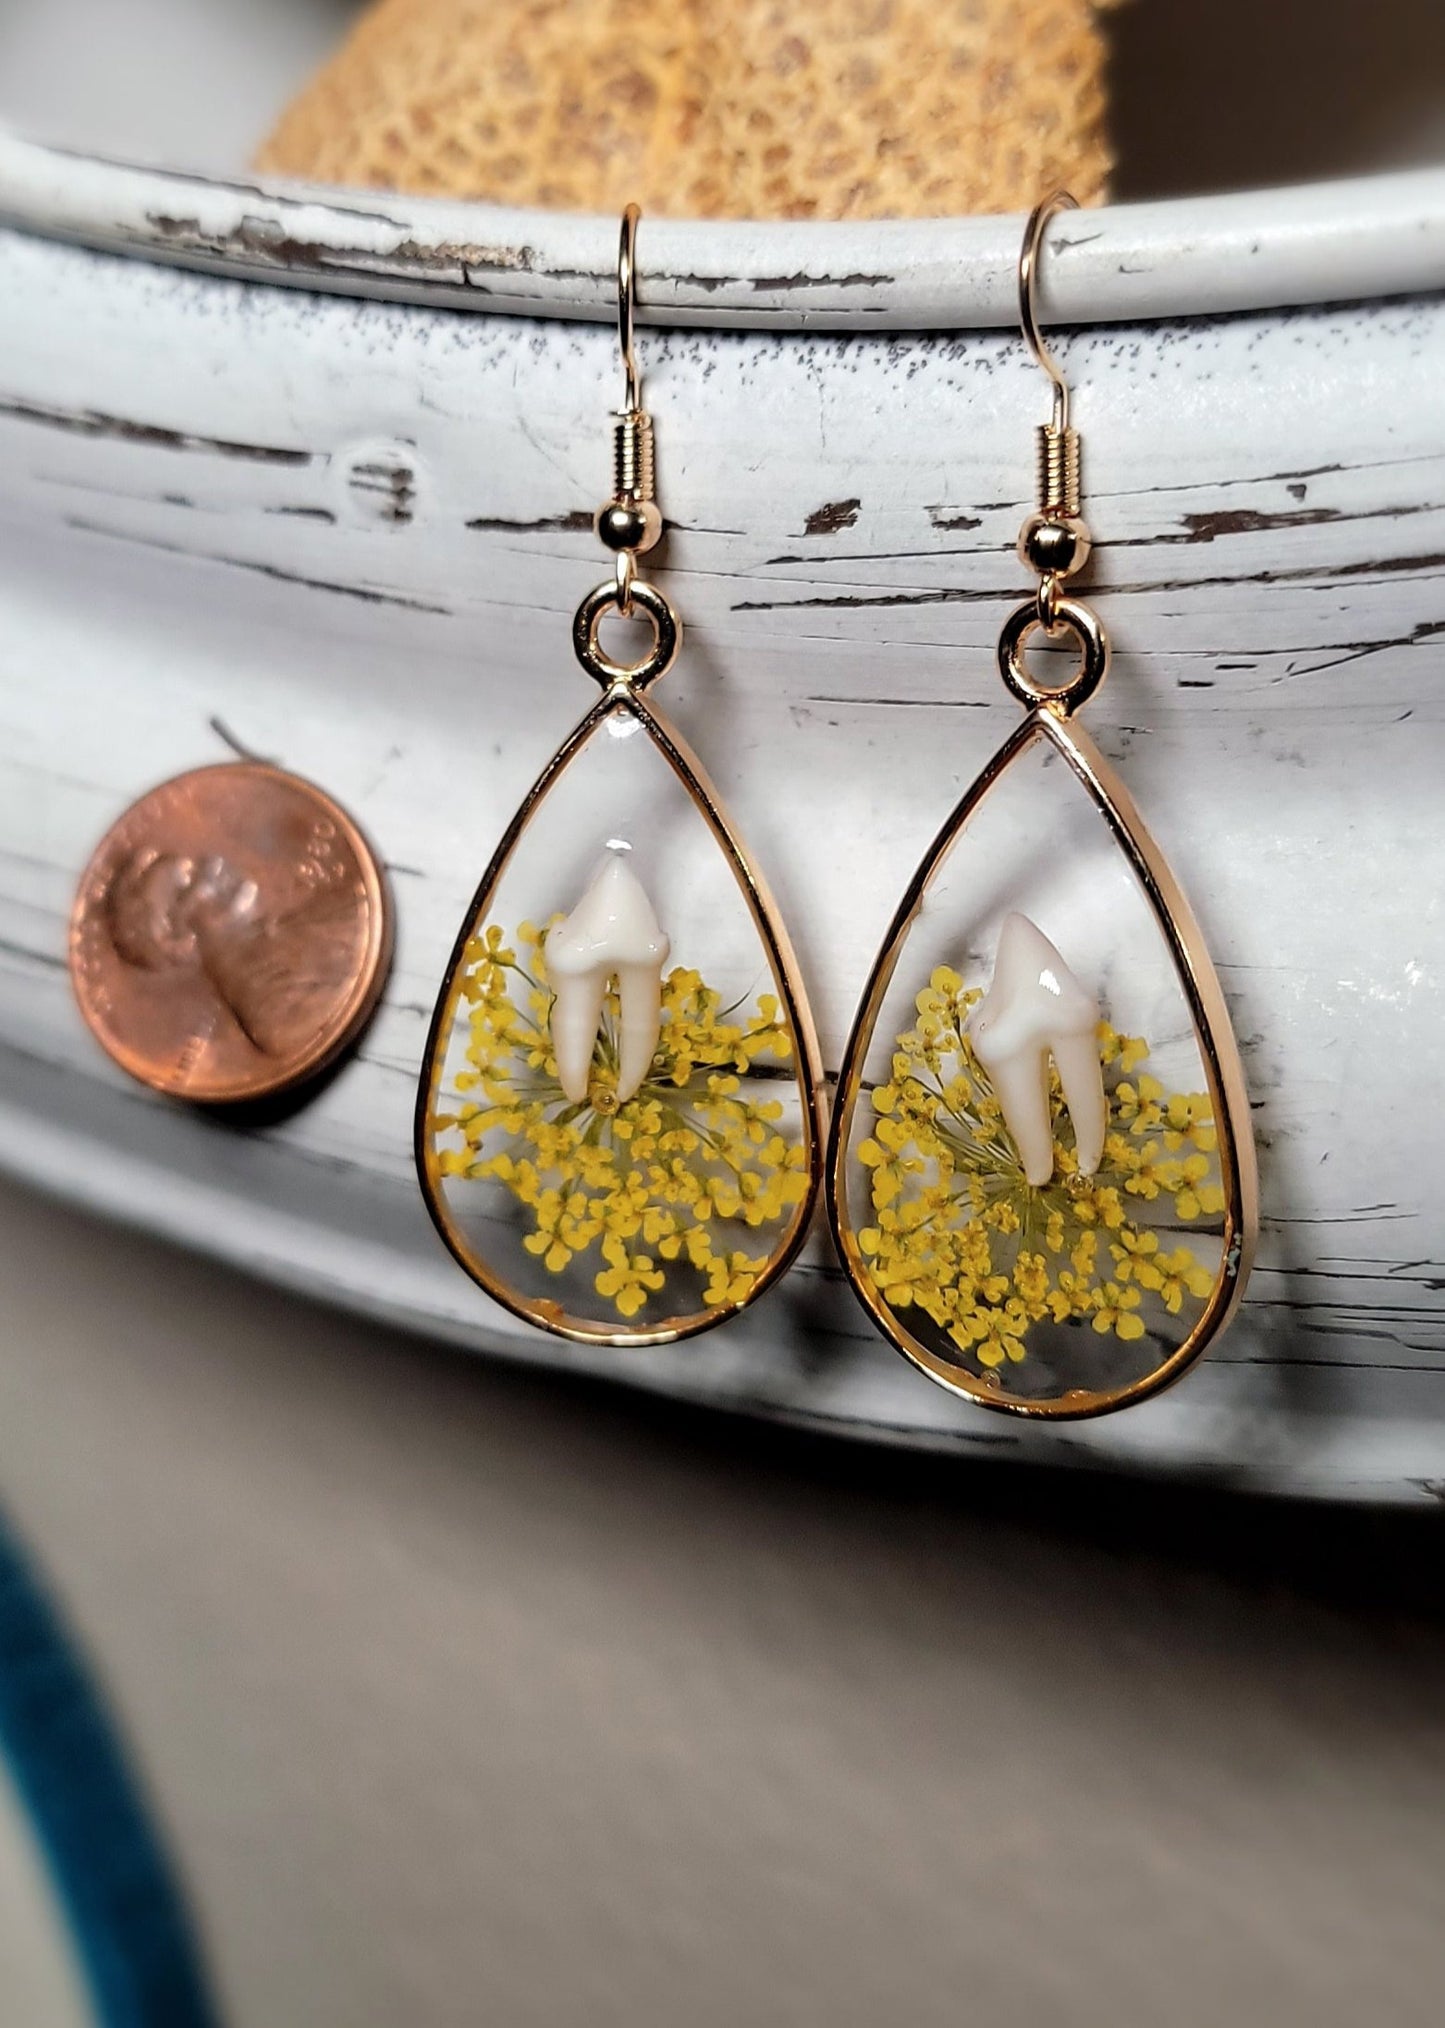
{"points": [[960, 1234], [666, 1181]]}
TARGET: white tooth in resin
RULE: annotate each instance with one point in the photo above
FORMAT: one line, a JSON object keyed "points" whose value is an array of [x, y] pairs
{"points": [[612, 933], [1036, 1008]]}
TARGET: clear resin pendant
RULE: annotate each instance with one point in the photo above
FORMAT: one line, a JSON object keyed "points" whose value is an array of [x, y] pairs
{"points": [[1041, 1176], [617, 1128]]}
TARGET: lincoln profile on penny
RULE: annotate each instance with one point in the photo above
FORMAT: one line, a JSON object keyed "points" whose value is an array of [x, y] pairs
{"points": [[167, 908], [170, 910]]}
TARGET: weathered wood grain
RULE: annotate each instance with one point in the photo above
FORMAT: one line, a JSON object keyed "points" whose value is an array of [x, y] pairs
{"points": [[1324, 242], [350, 534]]}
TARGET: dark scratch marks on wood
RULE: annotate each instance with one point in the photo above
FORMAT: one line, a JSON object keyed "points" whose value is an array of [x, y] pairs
{"points": [[95, 423], [1392, 1212], [950, 523], [907, 703], [305, 513], [1360, 651], [707, 283], [1224, 521], [580, 521], [762, 284], [261, 237], [92, 489], [265, 240], [593, 275], [864, 556], [1363, 1326], [238, 747], [1250, 479], [952, 595], [18, 858], [1428, 564], [832, 516], [46, 959], [389, 1067], [1291, 1361], [1349, 1276], [385, 487], [370, 594], [575, 523], [1249, 521]]}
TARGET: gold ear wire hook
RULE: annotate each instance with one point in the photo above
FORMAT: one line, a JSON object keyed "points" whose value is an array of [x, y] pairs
{"points": [[1058, 441], [630, 521], [1039, 219], [1054, 540], [627, 304]]}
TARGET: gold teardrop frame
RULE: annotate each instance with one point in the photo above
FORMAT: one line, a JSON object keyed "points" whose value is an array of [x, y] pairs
{"points": [[1214, 1036], [624, 696]]}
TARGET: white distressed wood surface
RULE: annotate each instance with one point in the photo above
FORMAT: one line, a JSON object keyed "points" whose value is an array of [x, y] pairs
{"points": [[1249, 250], [352, 532]]}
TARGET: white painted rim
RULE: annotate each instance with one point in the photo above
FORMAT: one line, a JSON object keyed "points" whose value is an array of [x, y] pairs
{"points": [[1255, 250]]}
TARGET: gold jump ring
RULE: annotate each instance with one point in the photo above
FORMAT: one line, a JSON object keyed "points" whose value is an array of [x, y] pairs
{"points": [[666, 631], [1074, 618]]}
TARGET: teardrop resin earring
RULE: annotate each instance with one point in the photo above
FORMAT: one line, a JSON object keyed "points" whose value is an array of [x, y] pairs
{"points": [[617, 1129], [1041, 1176]]}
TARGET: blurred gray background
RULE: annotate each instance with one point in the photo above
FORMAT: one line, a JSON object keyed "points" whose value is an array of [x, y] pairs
{"points": [[470, 1696]]}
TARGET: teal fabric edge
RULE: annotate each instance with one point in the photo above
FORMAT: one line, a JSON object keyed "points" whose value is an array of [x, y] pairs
{"points": [[131, 1929]]}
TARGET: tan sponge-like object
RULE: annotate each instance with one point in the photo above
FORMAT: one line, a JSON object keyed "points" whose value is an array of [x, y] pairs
{"points": [[713, 108]]}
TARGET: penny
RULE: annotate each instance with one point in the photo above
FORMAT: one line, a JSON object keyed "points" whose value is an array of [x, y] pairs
{"points": [[230, 935]]}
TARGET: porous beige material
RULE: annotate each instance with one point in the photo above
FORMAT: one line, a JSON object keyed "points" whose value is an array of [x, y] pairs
{"points": [[713, 108]]}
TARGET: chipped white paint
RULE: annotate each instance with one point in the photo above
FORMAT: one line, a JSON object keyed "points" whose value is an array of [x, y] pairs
{"points": [[1035, 1008], [190, 551], [612, 933], [1323, 242]]}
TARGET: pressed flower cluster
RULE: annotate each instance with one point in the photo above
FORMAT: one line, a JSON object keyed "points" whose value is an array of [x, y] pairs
{"points": [[958, 1232], [677, 1175]]}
